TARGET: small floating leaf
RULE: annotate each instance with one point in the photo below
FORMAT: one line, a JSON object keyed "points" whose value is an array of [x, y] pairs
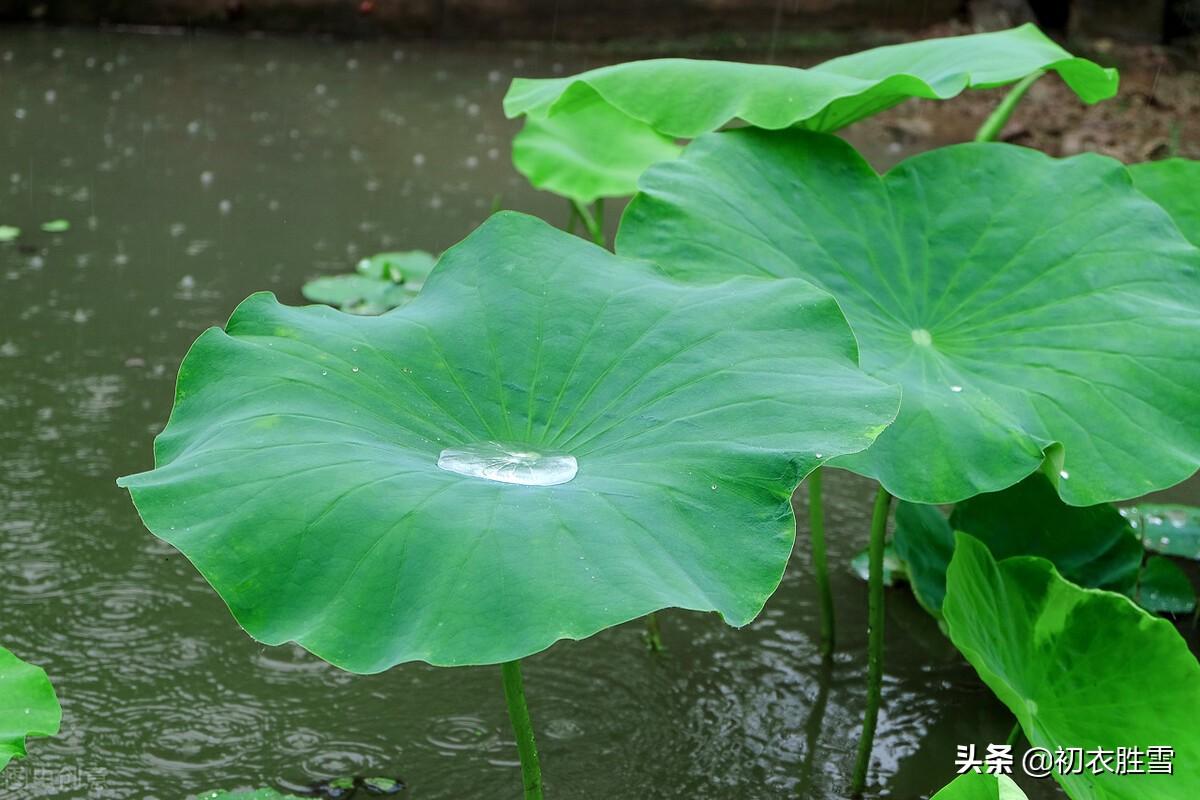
{"points": [[28, 706], [1173, 530], [1066, 661], [410, 267], [1174, 184], [893, 566], [300, 467], [56, 226], [358, 294], [981, 786], [8, 233], [590, 135], [1024, 303], [254, 794]]}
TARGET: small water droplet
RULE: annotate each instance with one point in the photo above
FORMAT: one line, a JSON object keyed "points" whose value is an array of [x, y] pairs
{"points": [[956, 388], [509, 463], [1064, 474], [324, 372], [354, 369]]}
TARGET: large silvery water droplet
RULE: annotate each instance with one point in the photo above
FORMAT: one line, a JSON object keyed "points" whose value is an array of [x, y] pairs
{"points": [[509, 463]]}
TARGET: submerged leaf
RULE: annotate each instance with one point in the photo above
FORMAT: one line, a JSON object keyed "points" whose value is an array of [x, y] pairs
{"points": [[28, 706], [1174, 184], [1172, 530], [550, 440], [1038, 312], [9, 233], [590, 135], [1066, 662], [981, 786], [56, 226]]}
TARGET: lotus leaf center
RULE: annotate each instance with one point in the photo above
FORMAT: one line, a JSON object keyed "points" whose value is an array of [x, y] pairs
{"points": [[509, 463], [922, 337]]}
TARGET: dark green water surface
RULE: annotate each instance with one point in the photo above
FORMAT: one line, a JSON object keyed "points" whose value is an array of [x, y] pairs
{"points": [[195, 171]]}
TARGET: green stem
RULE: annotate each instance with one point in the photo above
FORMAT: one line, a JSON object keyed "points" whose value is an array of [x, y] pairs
{"points": [[572, 216], [1014, 735], [595, 228], [816, 527], [990, 130], [518, 713], [653, 633], [883, 502]]}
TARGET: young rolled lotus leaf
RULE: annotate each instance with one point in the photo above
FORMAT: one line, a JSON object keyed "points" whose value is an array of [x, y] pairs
{"points": [[549, 441], [590, 135], [1023, 302], [1063, 659], [1092, 546], [1173, 183], [28, 706], [1167, 528], [981, 786]]}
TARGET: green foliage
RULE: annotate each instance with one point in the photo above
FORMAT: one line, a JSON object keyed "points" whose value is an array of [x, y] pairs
{"points": [[28, 706], [1066, 661], [590, 135], [379, 283], [1024, 303], [1092, 546], [979, 786], [255, 794], [1170, 529], [1174, 184], [8, 233], [642, 438], [56, 226]]}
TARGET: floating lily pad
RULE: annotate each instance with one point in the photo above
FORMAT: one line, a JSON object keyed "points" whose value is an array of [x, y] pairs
{"points": [[1039, 313], [1174, 184], [56, 226], [1164, 588], [28, 706], [317, 466], [1173, 530], [255, 794], [379, 283], [590, 135], [1065, 661], [8, 233], [981, 786]]}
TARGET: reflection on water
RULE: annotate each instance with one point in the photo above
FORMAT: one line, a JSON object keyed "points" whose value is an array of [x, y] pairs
{"points": [[195, 171]]}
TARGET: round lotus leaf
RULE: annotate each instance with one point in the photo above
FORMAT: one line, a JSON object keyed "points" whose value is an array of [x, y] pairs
{"points": [[981, 786], [1079, 668], [28, 706], [1033, 309], [590, 135], [548, 441], [1173, 183]]}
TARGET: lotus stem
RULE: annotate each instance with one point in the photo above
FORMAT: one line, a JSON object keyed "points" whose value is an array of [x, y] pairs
{"points": [[653, 633], [572, 216], [883, 502], [1014, 735], [593, 222], [989, 131], [518, 713], [820, 562]]}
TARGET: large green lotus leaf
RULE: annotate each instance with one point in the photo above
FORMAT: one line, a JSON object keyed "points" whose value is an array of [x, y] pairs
{"points": [[592, 134], [28, 706], [1174, 184], [1034, 310], [1167, 528], [981, 786], [1092, 546], [1061, 658], [300, 467]]}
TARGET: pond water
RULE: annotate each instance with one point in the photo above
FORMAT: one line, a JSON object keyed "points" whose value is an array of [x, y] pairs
{"points": [[196, 170]]}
